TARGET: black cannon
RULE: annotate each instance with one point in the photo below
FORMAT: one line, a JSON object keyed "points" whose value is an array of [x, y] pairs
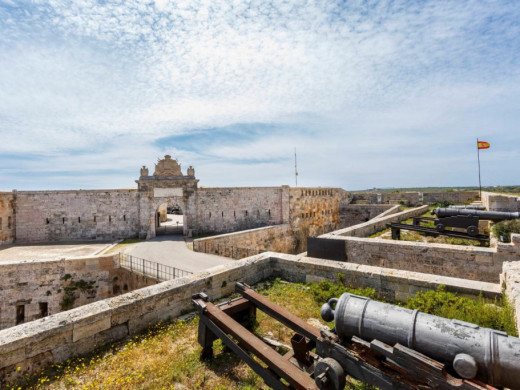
{"points": [[380, 344], [467, 218], [472, 352]]}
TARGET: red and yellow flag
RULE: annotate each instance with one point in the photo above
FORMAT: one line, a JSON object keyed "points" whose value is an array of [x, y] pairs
{"points": [[483, 145]]}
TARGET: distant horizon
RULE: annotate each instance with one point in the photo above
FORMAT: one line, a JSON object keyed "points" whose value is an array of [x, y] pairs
{"points": [[388, 93]]}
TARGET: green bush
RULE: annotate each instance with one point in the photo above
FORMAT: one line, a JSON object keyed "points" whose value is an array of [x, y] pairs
{"points": [[489, 314], [444, 203], [325, 290], [505, 228]]}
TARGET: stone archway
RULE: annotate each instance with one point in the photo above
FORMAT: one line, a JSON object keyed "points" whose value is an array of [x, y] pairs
{"points": [[171, 203], [170, 218]]}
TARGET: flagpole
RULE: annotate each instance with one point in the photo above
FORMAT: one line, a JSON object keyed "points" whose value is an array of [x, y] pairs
{"points": [[479, 183]]}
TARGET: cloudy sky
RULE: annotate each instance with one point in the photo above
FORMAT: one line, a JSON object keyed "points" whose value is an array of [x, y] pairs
{"points": [[370, 93]]}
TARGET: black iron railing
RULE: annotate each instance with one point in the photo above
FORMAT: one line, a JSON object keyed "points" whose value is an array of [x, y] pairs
{"points": [[150, 268]]}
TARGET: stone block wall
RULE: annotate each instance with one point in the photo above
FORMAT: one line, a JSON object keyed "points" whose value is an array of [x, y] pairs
{"points": [[407, 198], [500, 202], [315, 211], [222, 210], [354, 214], [37, 288], [245, 243], [456, 197], [44, 216], [35, 345], [7, 218], [474, 263], [366, 229], [510, 279], [415, 198]]}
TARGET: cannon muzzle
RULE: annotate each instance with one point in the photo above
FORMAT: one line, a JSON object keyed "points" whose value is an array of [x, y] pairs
{"points": [[473, 352]]}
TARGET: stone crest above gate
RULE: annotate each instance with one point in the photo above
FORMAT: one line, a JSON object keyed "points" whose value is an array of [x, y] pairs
{"points": [[167, 167], [167, 179]]}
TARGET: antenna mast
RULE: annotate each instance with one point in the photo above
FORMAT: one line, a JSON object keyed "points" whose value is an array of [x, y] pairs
{"points": [[295, 168]]}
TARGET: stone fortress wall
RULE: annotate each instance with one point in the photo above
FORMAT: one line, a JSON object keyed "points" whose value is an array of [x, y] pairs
{"points": [[37, 288], [7, 218], [223, 210], [414, 198], [50, 216]]}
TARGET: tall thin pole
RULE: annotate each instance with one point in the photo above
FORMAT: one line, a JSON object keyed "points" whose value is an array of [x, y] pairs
{"points": [[295, 168], [479, 183]]}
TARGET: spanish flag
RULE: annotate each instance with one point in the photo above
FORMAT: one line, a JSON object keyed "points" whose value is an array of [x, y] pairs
{"points": [[483, 145]]}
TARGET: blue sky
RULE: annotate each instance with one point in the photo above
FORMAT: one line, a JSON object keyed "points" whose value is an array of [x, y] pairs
{"points": [[371, 94]]}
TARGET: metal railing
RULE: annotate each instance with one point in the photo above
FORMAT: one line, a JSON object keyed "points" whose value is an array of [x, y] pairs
{"points": [[150, 268]]}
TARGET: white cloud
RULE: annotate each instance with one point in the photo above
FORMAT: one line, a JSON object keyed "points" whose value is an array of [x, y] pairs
{"points": [[86, 76]]}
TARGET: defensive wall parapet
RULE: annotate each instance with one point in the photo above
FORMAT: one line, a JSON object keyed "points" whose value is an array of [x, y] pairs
{"points": [[501, 202], [32, 289], [414, 198], [7, 218], [278, 238], [49, 340]]}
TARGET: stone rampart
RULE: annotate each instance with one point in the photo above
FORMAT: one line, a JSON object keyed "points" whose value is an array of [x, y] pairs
{"points": [[456, 197], [315, 211], [222, 210], [49, 340], [354, 214], [7, 218], [415, 198], [44, 216], [278, 238], [467, 262], [510, 279], [34, 289], [501, 202], [405, 198], [368, 228]]}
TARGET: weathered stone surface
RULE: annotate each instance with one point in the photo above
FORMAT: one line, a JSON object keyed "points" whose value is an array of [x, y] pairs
{"points": [[32, 283], [7, 217]]}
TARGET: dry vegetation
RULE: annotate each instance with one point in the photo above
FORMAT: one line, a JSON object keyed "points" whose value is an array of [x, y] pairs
{"points": [[167, 355]]}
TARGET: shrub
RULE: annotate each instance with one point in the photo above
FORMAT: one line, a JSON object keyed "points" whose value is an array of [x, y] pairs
{"points": [[505, 228], [489, 314]]}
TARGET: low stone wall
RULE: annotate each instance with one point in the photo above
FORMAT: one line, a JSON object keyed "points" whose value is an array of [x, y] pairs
{"points": [[510, 279], [468, 262], [406, 198], [246, 243], [35, 345], [415, 198], [368, 228], [353, 214], [501, 202], [456, 197], [7, 218], [34, 289]]}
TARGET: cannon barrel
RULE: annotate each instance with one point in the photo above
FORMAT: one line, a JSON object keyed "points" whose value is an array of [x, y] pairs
{"points": [[473, 352], [496, 216]]}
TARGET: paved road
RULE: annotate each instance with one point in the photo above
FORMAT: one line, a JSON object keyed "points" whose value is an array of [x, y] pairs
{"points": [[172, 251]]}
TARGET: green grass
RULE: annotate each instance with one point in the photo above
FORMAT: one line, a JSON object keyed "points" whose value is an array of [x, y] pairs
{"points": [[166, 356]]}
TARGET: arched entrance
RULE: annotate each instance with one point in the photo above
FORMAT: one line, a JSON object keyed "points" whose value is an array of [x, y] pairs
{"points": [[169, 218]]}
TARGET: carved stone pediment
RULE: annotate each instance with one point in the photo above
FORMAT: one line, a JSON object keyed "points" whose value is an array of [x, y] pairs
{"points": [[167, 167]]}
